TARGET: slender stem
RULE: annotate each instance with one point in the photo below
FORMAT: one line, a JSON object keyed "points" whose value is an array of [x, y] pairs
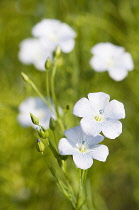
{"points": [[89, 195], [54, 97], [40, 94], [53, 88], [55, 138], [47, 85]]}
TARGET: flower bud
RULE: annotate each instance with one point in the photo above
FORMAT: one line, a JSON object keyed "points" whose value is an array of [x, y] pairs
{"points": [[43, 133], [68, 107], [25, 77], [52, 124], [34, 119], [40, 146], [48, 64], [57, 52]]}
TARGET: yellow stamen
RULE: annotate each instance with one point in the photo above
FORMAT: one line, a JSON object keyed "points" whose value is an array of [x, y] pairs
{"points": [[98, 118]]}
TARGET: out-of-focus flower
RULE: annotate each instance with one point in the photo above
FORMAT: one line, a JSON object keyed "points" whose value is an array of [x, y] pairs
{"points": [[36, 106], [33, 52], [98, 114], [54, 33], [84, 148], [111, 58]]}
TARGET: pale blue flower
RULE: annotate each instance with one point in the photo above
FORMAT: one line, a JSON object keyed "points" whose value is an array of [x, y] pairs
{"points": [[98, 114], [54, 33], [82, 147], [111, 58], [38, 108]]}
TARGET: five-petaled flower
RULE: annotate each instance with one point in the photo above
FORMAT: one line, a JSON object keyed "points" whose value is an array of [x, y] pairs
{"points": [[98, 114], [84, 148], [54, 33], [36, 106], [111, 58], [33, 52]]}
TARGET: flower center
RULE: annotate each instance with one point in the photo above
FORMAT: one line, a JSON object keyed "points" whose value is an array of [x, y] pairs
{"points": [[99, 117], [81, 147], [53, 38], [110, 62]]}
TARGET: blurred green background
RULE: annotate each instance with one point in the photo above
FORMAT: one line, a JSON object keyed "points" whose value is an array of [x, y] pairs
{"points": [[25, 181]]}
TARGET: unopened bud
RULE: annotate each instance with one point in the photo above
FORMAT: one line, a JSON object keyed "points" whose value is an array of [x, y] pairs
{"points": [[48, 64], [25, 77], [52, 124], [43, 133], [34, 119], [57, 52], [68, 107], [40, 146]]}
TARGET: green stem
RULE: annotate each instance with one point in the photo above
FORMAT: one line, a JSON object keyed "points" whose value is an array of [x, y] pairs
{"points": [[41, 95], [82, 195], [55, 138], [54, 97], [65, 189], [53, 88], [47, 85]]}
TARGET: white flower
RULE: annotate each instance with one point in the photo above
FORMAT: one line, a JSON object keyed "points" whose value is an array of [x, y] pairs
{"points": [[98, 114], [84, 148], [53, 33], [111, 58], [33, 52], [38, 108]]}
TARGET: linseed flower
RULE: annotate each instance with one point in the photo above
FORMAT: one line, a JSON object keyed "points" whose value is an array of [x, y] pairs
{"points": [[54, 33], [84, 148], [33, 52], [111, 58], [98, 114], [36, 106]]}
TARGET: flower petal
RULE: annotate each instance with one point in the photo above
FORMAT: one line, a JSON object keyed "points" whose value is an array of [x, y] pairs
{"points": [[29, 49], [112, 128], [128, 62], [90, 127], [67, 44], [66, 31], [82, 161], [65, 147], [98, 100], [82, 108], [91, 141], [97, 65], [99, 152], [118, 74], [106, 49], [46, 26], [74, 135], [115, 110]]}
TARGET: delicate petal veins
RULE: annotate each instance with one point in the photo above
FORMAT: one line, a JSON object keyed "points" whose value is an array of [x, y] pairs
{"points": [[99, 152], [65, 148], [93, 140], [115, 110], [112, 128], [74, 135], [90, 127], [82, 108], [82, 161], [98, 100]]}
